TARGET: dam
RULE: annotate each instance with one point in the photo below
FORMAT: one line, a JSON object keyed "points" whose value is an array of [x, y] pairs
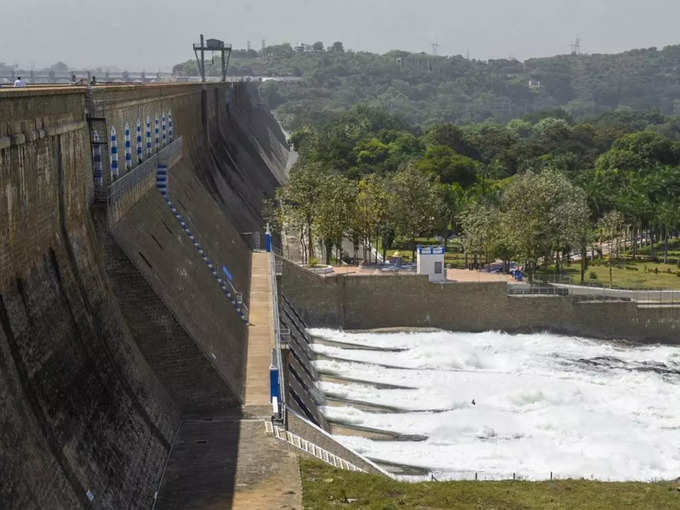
{"points": [[125, 290], [144, 327]]}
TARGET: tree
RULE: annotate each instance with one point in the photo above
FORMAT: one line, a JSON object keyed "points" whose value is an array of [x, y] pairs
{"points": [[318, 46], [478, 223], [668, 217], [610, 228], [337, 47], [451, 136], [541, 213], [335, 211], [449, 166], [299, 201], [417, 203], [372, 211]]}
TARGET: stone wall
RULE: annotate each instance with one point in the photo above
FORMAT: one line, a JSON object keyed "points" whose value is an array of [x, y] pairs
{"points": [[380, 301], [111, 336], [84, 419]]}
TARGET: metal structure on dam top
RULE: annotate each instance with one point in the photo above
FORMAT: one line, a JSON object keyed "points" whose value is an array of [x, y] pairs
{"points": [[212, 45]]}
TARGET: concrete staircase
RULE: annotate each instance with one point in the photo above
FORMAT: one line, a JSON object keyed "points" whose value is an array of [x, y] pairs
{"points": [[230, 292]]}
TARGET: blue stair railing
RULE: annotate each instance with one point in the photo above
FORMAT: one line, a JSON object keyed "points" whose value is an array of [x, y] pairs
{"points": [[226, 285]]}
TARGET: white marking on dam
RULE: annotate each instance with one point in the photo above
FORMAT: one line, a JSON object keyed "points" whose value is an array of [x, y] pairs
{"points": [[543, 403]]}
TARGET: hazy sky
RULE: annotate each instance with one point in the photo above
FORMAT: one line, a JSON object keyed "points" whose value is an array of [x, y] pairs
{"points": [[152, 35]]}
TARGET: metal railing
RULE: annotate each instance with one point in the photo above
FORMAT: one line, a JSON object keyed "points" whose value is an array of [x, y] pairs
{"points": [[536, 290], [277, 338], [309, 447]]}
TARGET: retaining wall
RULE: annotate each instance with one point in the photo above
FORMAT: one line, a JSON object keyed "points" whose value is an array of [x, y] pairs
{"points": [[380, 301]]}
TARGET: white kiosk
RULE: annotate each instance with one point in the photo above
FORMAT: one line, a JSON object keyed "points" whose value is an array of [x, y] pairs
{"points": [[431, 262]]}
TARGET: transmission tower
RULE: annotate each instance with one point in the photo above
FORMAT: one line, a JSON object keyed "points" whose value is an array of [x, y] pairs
{"points": [[435, 47], [576, 46]]}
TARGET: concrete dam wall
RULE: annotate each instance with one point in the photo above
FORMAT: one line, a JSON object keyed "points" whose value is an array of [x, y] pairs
{"points": [[114, 323]]}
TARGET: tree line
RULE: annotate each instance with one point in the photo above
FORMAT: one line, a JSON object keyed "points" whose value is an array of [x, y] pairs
{"points": [[539, 190], [428, 90]]}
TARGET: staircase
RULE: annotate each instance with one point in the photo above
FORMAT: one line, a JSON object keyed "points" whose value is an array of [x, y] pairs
{"points": [[227, 287]]}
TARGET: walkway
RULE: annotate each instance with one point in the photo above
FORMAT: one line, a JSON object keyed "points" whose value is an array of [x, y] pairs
{"points": [[260, 331], [230, 462]]}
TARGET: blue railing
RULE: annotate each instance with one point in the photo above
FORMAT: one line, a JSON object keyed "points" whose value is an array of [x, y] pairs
{"points": [[226, 285]]}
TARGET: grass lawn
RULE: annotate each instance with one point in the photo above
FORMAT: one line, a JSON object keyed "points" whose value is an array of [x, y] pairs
{"points": [[629, 275], [673, 249], [325, 487]]}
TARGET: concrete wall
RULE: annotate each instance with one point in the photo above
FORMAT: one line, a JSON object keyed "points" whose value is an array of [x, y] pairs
{"points": [[370, 301], [110, 337], [81, 409]]}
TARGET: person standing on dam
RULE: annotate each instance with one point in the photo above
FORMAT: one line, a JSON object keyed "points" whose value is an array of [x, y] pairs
{"points": [[18, 83]]}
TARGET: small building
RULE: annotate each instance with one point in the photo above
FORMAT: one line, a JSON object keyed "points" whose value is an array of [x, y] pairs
{"points": [[431, 262]]}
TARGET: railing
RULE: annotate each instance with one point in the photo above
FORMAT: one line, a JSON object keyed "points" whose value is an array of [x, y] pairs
{"points": [[642, 297], [277, 338], [226, 286], [536, 290], [309, 447]]}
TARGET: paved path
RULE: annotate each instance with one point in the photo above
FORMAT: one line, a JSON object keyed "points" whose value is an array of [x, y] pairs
{"points": [[260, 331], [229, 462]]}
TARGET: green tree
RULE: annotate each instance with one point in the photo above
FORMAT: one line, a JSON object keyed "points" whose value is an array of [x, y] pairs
{"points": [[373, 218], [449, 166], [336, 205], [610, 228], [480, 235], [541, 213], [299, 202], [417, 202], [337, 47]]}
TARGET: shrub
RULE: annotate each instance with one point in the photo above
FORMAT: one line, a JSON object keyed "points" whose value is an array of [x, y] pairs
{"points": [[592, 275], [313, 262]]}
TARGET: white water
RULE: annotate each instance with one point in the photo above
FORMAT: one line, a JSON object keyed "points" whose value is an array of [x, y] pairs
{"points": [[544, 403]]}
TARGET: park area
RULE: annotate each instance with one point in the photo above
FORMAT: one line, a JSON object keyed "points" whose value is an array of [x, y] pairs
{"points": [[645, 272]]}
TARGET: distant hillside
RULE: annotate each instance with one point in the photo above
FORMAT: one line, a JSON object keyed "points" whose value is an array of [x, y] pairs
{"points": [[427, 89]]}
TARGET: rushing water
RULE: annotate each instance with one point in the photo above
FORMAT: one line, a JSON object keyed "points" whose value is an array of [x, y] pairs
{"points": [[542, 403]]}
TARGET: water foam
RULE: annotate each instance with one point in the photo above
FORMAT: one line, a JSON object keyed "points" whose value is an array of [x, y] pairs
{"points": [[543, 403]]}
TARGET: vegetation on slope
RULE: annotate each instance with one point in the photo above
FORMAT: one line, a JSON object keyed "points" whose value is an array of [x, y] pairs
{"points": [[325, 487], [427, 89], [536, 191]]}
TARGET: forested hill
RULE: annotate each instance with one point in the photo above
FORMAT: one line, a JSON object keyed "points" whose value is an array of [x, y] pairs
{"points": [[427, 89]]}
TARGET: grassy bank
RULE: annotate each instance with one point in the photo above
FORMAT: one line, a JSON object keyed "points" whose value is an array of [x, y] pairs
{"points": [[325, 487], [626, 274]]}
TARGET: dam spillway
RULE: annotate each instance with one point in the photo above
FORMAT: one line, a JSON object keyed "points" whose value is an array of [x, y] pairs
{"points": [[491, 405]]}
